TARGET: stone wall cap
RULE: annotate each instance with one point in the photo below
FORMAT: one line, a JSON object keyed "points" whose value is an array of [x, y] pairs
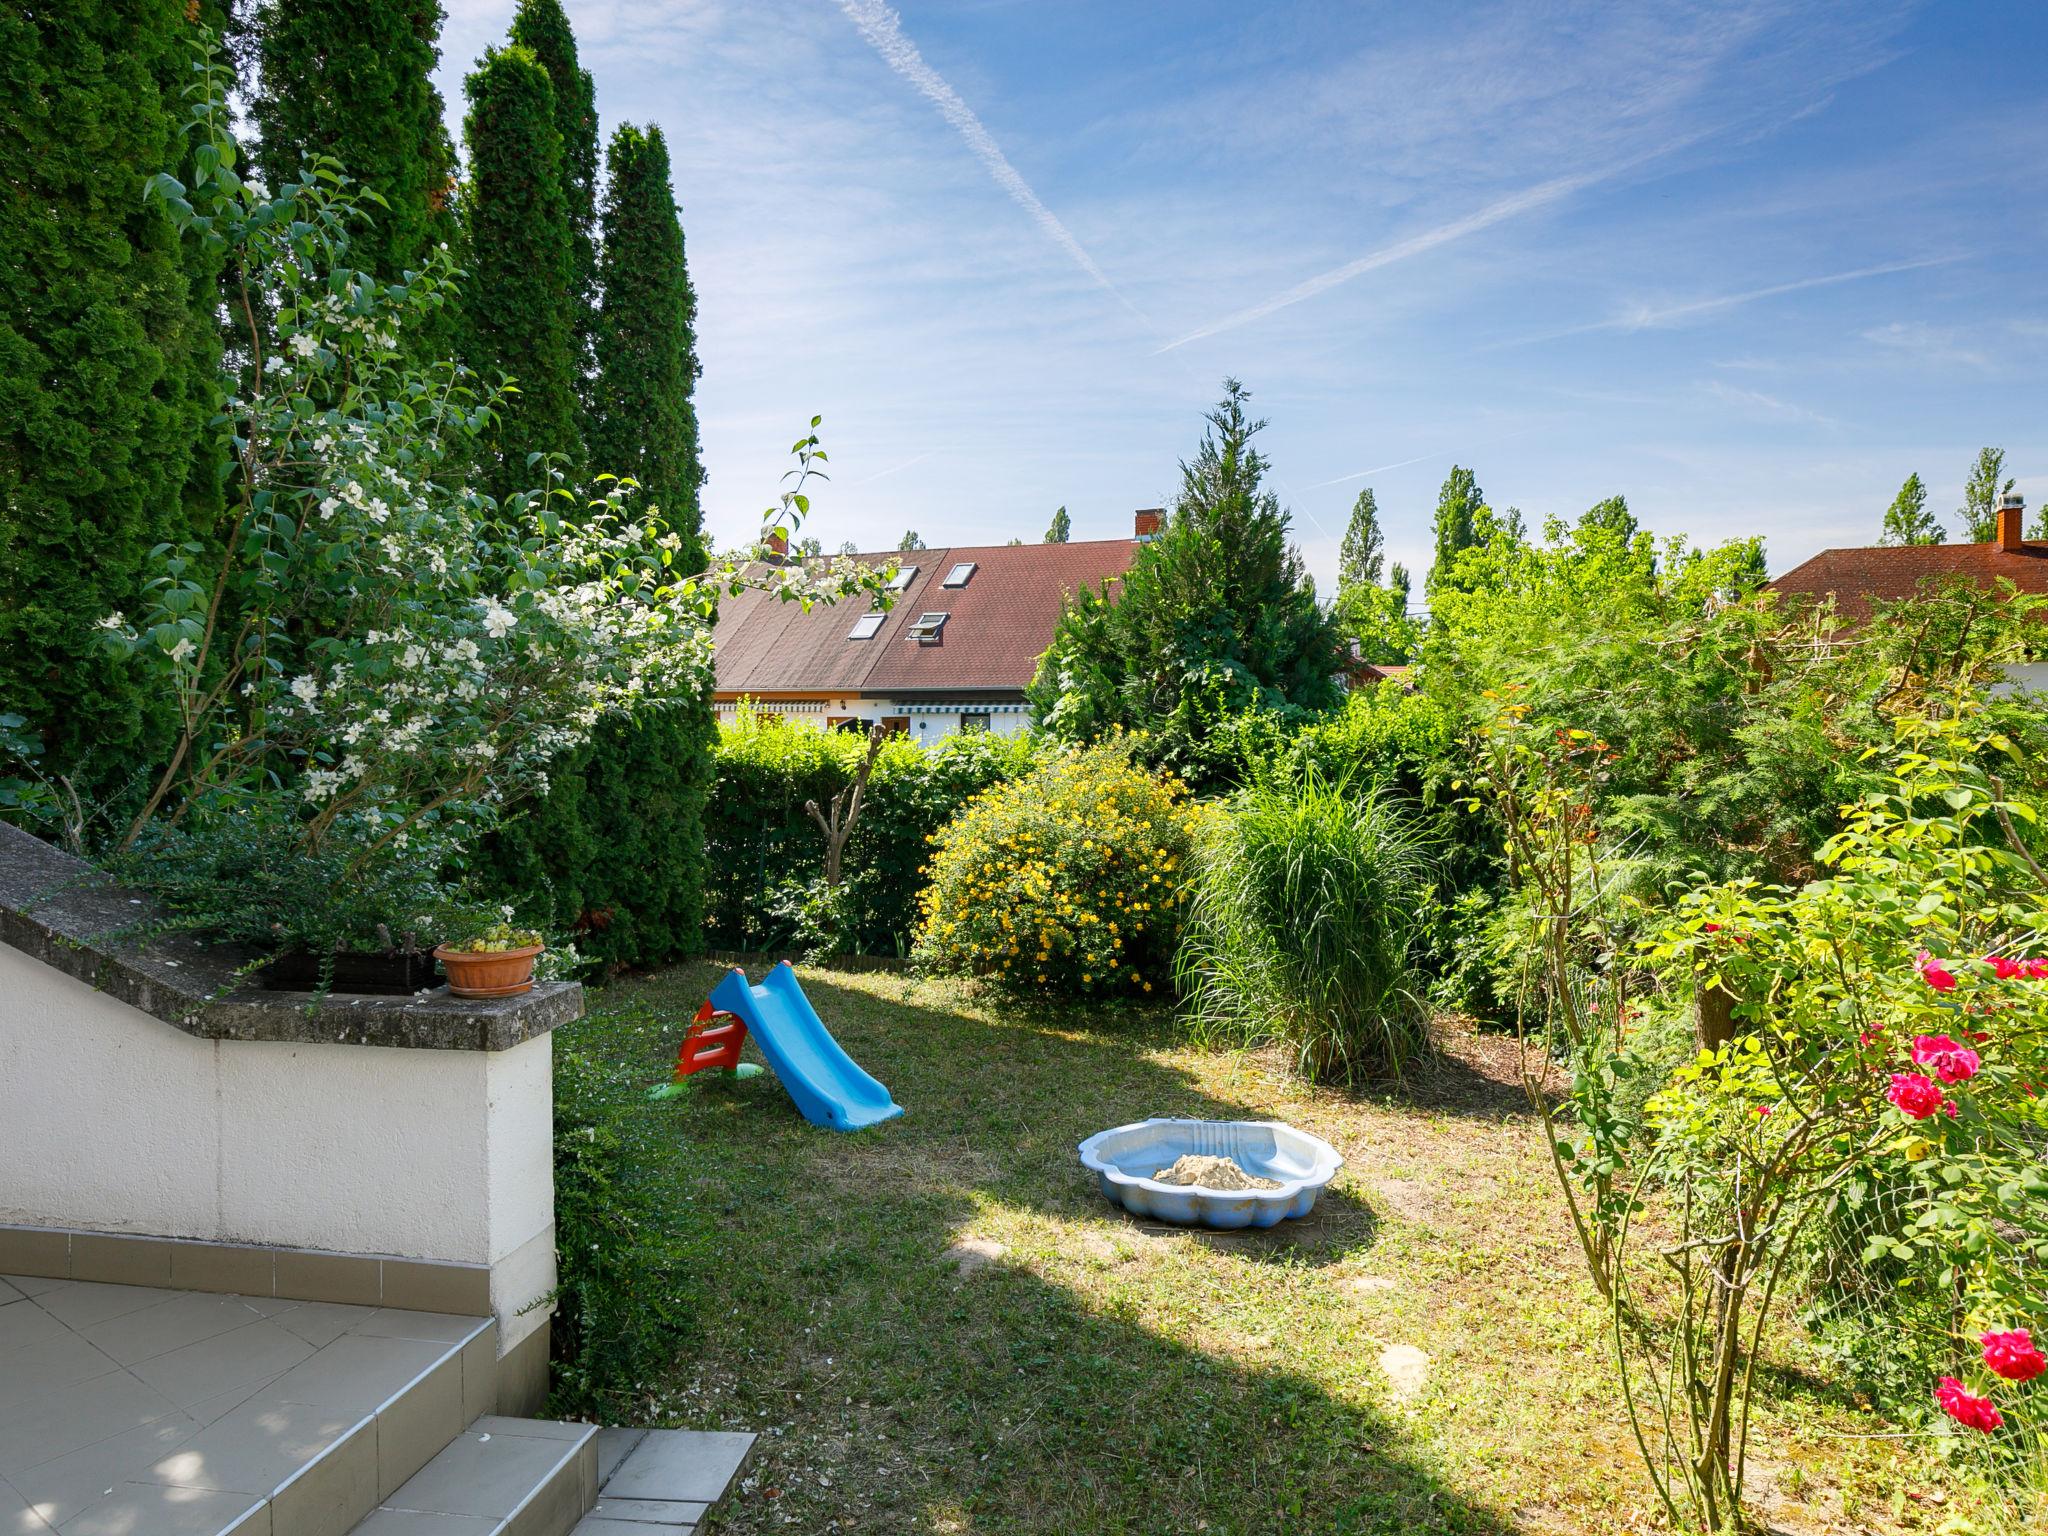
{"points": [[57, 908]]}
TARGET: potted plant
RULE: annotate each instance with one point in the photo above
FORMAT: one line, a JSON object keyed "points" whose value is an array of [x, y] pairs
{"points": [[496, 962]]}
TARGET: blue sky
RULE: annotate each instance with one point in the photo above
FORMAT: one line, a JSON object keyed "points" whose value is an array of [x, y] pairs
{"points": [[1747, 264]]}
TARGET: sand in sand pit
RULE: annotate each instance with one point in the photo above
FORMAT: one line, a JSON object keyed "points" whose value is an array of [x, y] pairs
{"points": [[1212, 1173]]}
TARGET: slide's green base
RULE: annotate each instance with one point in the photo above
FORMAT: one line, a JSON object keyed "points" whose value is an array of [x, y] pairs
{"points": [[681, 1087]]}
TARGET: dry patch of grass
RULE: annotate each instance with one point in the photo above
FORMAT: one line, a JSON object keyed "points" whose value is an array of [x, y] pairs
{"points": [[1084, 1372]]}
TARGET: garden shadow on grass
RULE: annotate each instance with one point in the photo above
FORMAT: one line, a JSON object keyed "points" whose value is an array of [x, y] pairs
{"points": [[1124, 1396]]}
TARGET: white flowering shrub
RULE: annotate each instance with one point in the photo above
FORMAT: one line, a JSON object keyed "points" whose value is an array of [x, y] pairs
{"points": [[369, 658]]}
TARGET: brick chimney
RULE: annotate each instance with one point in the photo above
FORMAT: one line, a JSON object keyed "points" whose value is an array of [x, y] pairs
{"points": [[778, 546], [2012, 519], [1147, 521]]}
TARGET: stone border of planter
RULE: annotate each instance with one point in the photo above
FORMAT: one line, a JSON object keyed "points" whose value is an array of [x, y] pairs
{"points": [[62, 911]]}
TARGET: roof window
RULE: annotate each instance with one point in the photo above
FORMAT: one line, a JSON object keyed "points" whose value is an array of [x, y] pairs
{"points": [[926, 629], [961, 574], [866, 627], [905, 575]]}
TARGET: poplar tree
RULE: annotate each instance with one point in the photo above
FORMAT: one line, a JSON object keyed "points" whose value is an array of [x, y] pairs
{"points": [[1907, 520], [1061, 529], [1981, 493], [542, 26], [1360, 557], [106, 357], [643, 425], [1457, 511], [354, 79], [519, 320]]}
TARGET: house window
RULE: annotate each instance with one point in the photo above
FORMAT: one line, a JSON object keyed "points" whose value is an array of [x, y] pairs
{"points": [[973, 720], [866, 626], [961, 574], [926, 630], [904, 576]]}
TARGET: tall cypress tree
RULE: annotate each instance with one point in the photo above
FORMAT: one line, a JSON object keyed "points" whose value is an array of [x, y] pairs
{"points": [[542, 26], [354, 79], [105, 363], [643, 424], [520, 319], [1457, 511]]}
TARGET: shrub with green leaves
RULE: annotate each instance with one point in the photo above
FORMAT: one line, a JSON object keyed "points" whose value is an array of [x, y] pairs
{"points": [[1067, 879], [1302, 910], [760, 841]]}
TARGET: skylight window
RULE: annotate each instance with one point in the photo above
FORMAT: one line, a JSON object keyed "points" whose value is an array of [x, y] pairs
{"points": [[961, 574], [866, 627], [904, 576], [927, 627]]}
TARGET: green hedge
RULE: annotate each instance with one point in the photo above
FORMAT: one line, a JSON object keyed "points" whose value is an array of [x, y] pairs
{"points": [[758, 836], [615, 853]]}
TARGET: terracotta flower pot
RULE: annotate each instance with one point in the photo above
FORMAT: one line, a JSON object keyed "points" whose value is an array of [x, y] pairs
{"points": [[488, 973]]}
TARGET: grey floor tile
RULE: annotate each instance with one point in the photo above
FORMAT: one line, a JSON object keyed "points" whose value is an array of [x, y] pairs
{"points": [[414, 1522], [10, 1292], [613, 1446], [360, 1373], [138, 1507], [137, 1336], [394, 1323], [32, 1285], [594, 1524], [29, 1375], [250, 1355], [21, 1326], [81, 1303], [679, 1464], [18, 1517], [322, 1322], [254, 1449], [68, 1484], [70, 1418], [532, 1429], [657, 1512], [480, 1476]]}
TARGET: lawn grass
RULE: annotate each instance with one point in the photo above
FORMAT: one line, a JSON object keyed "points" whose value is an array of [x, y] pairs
{"points": [[1103, 1375]]}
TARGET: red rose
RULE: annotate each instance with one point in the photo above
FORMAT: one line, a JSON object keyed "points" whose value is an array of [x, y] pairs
{"points": [[2012, 1355], [1950, 1060], [1934, 973], [1966, 1408], [1915, 1097], [2004, 967]]}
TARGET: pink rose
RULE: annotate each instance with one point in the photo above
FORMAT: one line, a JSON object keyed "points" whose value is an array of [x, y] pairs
{"points": [[2004, 967], [1913, 1095], [1934, 973], [1966, 1408], [2012, 1355], [1950, 1059]]}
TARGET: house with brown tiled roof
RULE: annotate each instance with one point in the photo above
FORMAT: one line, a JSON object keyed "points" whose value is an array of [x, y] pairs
{"points": [[1858, 579], [954, 653]]}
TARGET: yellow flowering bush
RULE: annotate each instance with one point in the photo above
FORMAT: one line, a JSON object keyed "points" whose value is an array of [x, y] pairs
{"points": [[1067, 879]]}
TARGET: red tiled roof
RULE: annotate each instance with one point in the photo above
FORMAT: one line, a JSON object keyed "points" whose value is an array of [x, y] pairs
{"points": [[1858, 577], [998, 625]]}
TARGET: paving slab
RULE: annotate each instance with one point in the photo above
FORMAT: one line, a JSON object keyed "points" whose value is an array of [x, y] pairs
{"points": [[680, 1466]]}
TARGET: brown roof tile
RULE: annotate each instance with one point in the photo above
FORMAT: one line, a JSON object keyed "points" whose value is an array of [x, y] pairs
{"points": [[998, 625], [1858, 577]]}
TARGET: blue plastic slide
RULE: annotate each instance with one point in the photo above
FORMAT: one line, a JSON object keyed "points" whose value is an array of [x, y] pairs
{"points": [[828, 1085]]}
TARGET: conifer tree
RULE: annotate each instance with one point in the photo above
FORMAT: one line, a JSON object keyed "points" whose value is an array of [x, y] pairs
{"points": [[1907, 520], [542, 26], [520, 319], [643, 425], [354, 79], [1361, 556], [1062, 528], [106, 353]]}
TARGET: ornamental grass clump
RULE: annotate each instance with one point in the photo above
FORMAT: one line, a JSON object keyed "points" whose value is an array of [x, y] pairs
{"points": [[1302, 910], [1065, 880]]}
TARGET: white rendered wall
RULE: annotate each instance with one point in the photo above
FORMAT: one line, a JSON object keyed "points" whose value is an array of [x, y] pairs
{"points": [[113, 1121]]}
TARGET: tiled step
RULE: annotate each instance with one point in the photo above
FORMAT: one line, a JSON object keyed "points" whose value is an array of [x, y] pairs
{"points": [[661, 1482], [499, 1477], [127, 1410]]}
